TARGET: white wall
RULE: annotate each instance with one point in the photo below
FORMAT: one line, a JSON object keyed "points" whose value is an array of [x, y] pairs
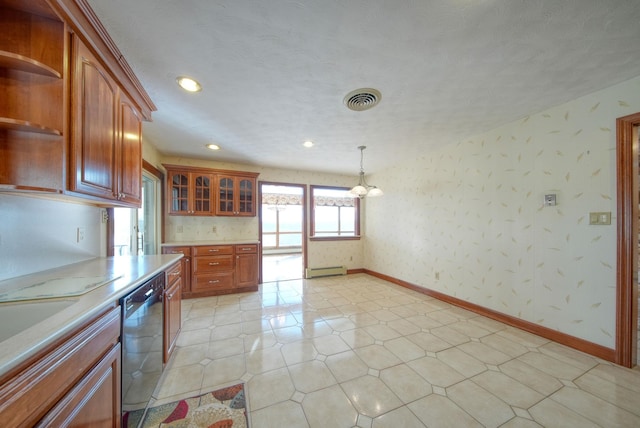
{"points": [[38, 234], [319, 253], [473, 212]]}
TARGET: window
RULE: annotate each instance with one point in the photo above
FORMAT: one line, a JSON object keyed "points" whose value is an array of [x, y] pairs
{"points": [[335, 213]]}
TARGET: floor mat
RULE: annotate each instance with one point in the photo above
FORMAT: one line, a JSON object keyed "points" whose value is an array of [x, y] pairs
{"points": [[222, 408]]}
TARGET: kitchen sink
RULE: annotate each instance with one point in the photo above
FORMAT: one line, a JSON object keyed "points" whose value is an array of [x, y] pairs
{"points": [[15, 318]]}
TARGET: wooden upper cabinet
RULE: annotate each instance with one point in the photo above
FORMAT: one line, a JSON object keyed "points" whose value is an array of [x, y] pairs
{"points": [[71, 107], [93, 140], [106, 146], [236, 194], [130, 173], [189, 192]]}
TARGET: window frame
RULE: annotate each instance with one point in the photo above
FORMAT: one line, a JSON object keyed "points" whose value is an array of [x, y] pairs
{"points": [[312, 220]]}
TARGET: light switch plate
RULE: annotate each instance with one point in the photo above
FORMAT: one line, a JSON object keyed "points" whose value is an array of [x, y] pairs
{"points": [[600, 218]]}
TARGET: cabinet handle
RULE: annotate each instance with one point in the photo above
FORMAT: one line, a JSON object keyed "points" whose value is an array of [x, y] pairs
{"points": [[213, 251], [214, 263], [174, 274], [212, 281], [177, 252], [246, 249]]}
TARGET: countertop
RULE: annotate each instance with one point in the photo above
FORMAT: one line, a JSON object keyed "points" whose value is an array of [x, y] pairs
{"points": [[68, 313], [196, 243]]}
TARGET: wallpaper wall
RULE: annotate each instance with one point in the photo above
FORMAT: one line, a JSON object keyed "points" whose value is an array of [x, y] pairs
{"points": [[469, 219], [319, 253]]}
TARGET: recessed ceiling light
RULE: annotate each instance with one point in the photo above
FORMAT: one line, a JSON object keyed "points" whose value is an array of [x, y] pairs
{"points": [[212, 147], [308, 144], [188, 84]]}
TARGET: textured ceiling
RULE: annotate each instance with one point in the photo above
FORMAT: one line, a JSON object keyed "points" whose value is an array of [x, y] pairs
{"points": [[275, 72]]}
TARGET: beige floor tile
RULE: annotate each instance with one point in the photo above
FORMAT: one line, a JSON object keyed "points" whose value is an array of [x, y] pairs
{"points": [[629, 379], [530, 376], [316, 329], [462, 362], [429, 342], [259, 341], [289, 334], [197, 323], [187, 355], [469, 329], [225, 348], [485, 353], [329, 407], [346, 366], [297, 352], [424, 322], [522, 337], [370, 396], [436, 372], [226, 331], [181, 380], [311, 376], [404, 349], [521, 423], [280, 415], [483, 406], [443, 317], [551, 414], [405, 383], [269, 388], [402, 417], [364, 319], [357, 338], [595, 409], [264, 360], [487, 323], [505, 345], [450, 335], [381, 332], [223, 371], [437, 411], [404, 327], [611, 392], [377, 357], [329, 345], [507, 389], [193, 337], [551, 366]]}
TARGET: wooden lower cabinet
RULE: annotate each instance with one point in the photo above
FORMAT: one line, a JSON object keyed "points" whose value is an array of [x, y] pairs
{"points": [[219, 269], [172, 310], [75, 382], [185, 264]]}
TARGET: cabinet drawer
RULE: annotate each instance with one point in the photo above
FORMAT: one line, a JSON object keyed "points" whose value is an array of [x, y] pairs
{"points": [[212, 250], [247, 249], [211, 264], [174, 273], [212, 282], [177, 250]]}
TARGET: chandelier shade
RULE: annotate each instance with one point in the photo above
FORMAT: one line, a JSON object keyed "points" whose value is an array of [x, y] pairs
{"points": [[363, 189]]}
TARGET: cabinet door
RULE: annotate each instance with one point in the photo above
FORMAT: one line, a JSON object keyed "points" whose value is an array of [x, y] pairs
{"points": [[226, 195], [247, 270], [93, 139], [130, 168], [202, 194], [246, 205], [172, 317], [95, 401], [178, 192]]}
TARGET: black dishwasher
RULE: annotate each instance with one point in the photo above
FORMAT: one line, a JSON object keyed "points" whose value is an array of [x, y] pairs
{"points": [[142, 312]]}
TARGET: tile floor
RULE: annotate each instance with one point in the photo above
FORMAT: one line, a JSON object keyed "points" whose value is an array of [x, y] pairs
{"points": [[358, 351]]}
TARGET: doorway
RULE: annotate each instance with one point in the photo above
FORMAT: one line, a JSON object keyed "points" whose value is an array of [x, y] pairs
{"points": [[137, 231], [627, 163], [282, 231]]}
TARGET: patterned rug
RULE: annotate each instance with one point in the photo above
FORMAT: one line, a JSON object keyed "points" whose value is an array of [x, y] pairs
{"points": [[223, 408]]}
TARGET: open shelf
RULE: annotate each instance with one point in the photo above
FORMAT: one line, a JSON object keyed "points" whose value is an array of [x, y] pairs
{"points": [[25, 126], [20, 62]]}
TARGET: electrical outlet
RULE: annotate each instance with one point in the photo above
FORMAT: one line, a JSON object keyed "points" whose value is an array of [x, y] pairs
{"points": [[214, 229], [80, 233], [437, 276]]}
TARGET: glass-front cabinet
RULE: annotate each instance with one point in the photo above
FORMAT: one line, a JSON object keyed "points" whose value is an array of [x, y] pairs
{"points": [[205, 191], [190, 193], [236, 195]]}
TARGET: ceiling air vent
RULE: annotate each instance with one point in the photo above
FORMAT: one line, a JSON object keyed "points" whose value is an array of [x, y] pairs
{"points": [[362, 99]]}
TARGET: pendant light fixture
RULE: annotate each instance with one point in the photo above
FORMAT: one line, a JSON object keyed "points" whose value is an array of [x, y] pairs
{"points": [[363, 189]]}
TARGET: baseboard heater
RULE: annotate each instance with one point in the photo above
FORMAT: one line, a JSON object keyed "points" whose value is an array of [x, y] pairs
{"points": [[325, 271]]}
